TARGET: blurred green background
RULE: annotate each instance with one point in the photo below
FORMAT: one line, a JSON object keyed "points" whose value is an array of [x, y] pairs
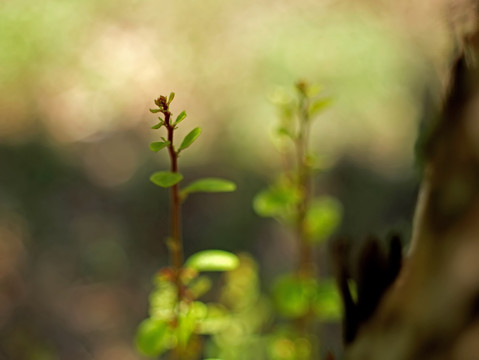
{"points": [[81, 226]]}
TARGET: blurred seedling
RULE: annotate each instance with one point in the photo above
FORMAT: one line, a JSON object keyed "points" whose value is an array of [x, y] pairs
{"points": [[302, 297], [177, 318]]}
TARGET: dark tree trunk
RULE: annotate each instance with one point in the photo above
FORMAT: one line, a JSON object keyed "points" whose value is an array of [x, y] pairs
{"points": [[431, 311]]}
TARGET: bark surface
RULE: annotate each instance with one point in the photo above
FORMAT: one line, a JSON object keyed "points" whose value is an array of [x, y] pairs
{"points": [[432, 309]]}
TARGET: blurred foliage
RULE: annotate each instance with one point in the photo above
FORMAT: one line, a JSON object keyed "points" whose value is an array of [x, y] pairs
{"points": [[305, 296]]}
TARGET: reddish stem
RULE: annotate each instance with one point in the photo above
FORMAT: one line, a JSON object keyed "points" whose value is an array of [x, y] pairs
{"points": [[175, 243]]}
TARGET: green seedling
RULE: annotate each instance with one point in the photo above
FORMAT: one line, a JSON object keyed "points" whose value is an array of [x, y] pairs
{"points": [[177, 318], [302, 297]]}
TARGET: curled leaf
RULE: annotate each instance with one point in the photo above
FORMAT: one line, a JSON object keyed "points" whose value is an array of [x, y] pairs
{"points": [[209, 185], [213, 260]]}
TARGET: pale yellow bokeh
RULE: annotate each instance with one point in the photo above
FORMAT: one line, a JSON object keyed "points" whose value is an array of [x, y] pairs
{"points": [[79, 69]]}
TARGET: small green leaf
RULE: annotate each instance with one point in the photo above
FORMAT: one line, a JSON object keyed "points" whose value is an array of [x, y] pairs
{"points": [[154, 111], [188, 319], [319, 105], [171, 97], [150, 337], [158, 145], [209, 185], [277, 201], [323, 217], [180, 117], [213, 260], [287, 110], [215, 321], [163, 301], [283, 131], [313, 90], [280, 96], [293, 295], [288, 344], [328, 305], [165, 178], [159, 125], [188, 140], [200, 286]]}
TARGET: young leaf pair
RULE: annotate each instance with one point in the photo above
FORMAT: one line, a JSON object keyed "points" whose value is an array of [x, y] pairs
{"points": [[187, 141]]}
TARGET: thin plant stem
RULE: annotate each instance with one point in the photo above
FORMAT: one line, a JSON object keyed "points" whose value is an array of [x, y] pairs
{"points": [[175, 241], [176, 247], [305, 265], [306, 269]]}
